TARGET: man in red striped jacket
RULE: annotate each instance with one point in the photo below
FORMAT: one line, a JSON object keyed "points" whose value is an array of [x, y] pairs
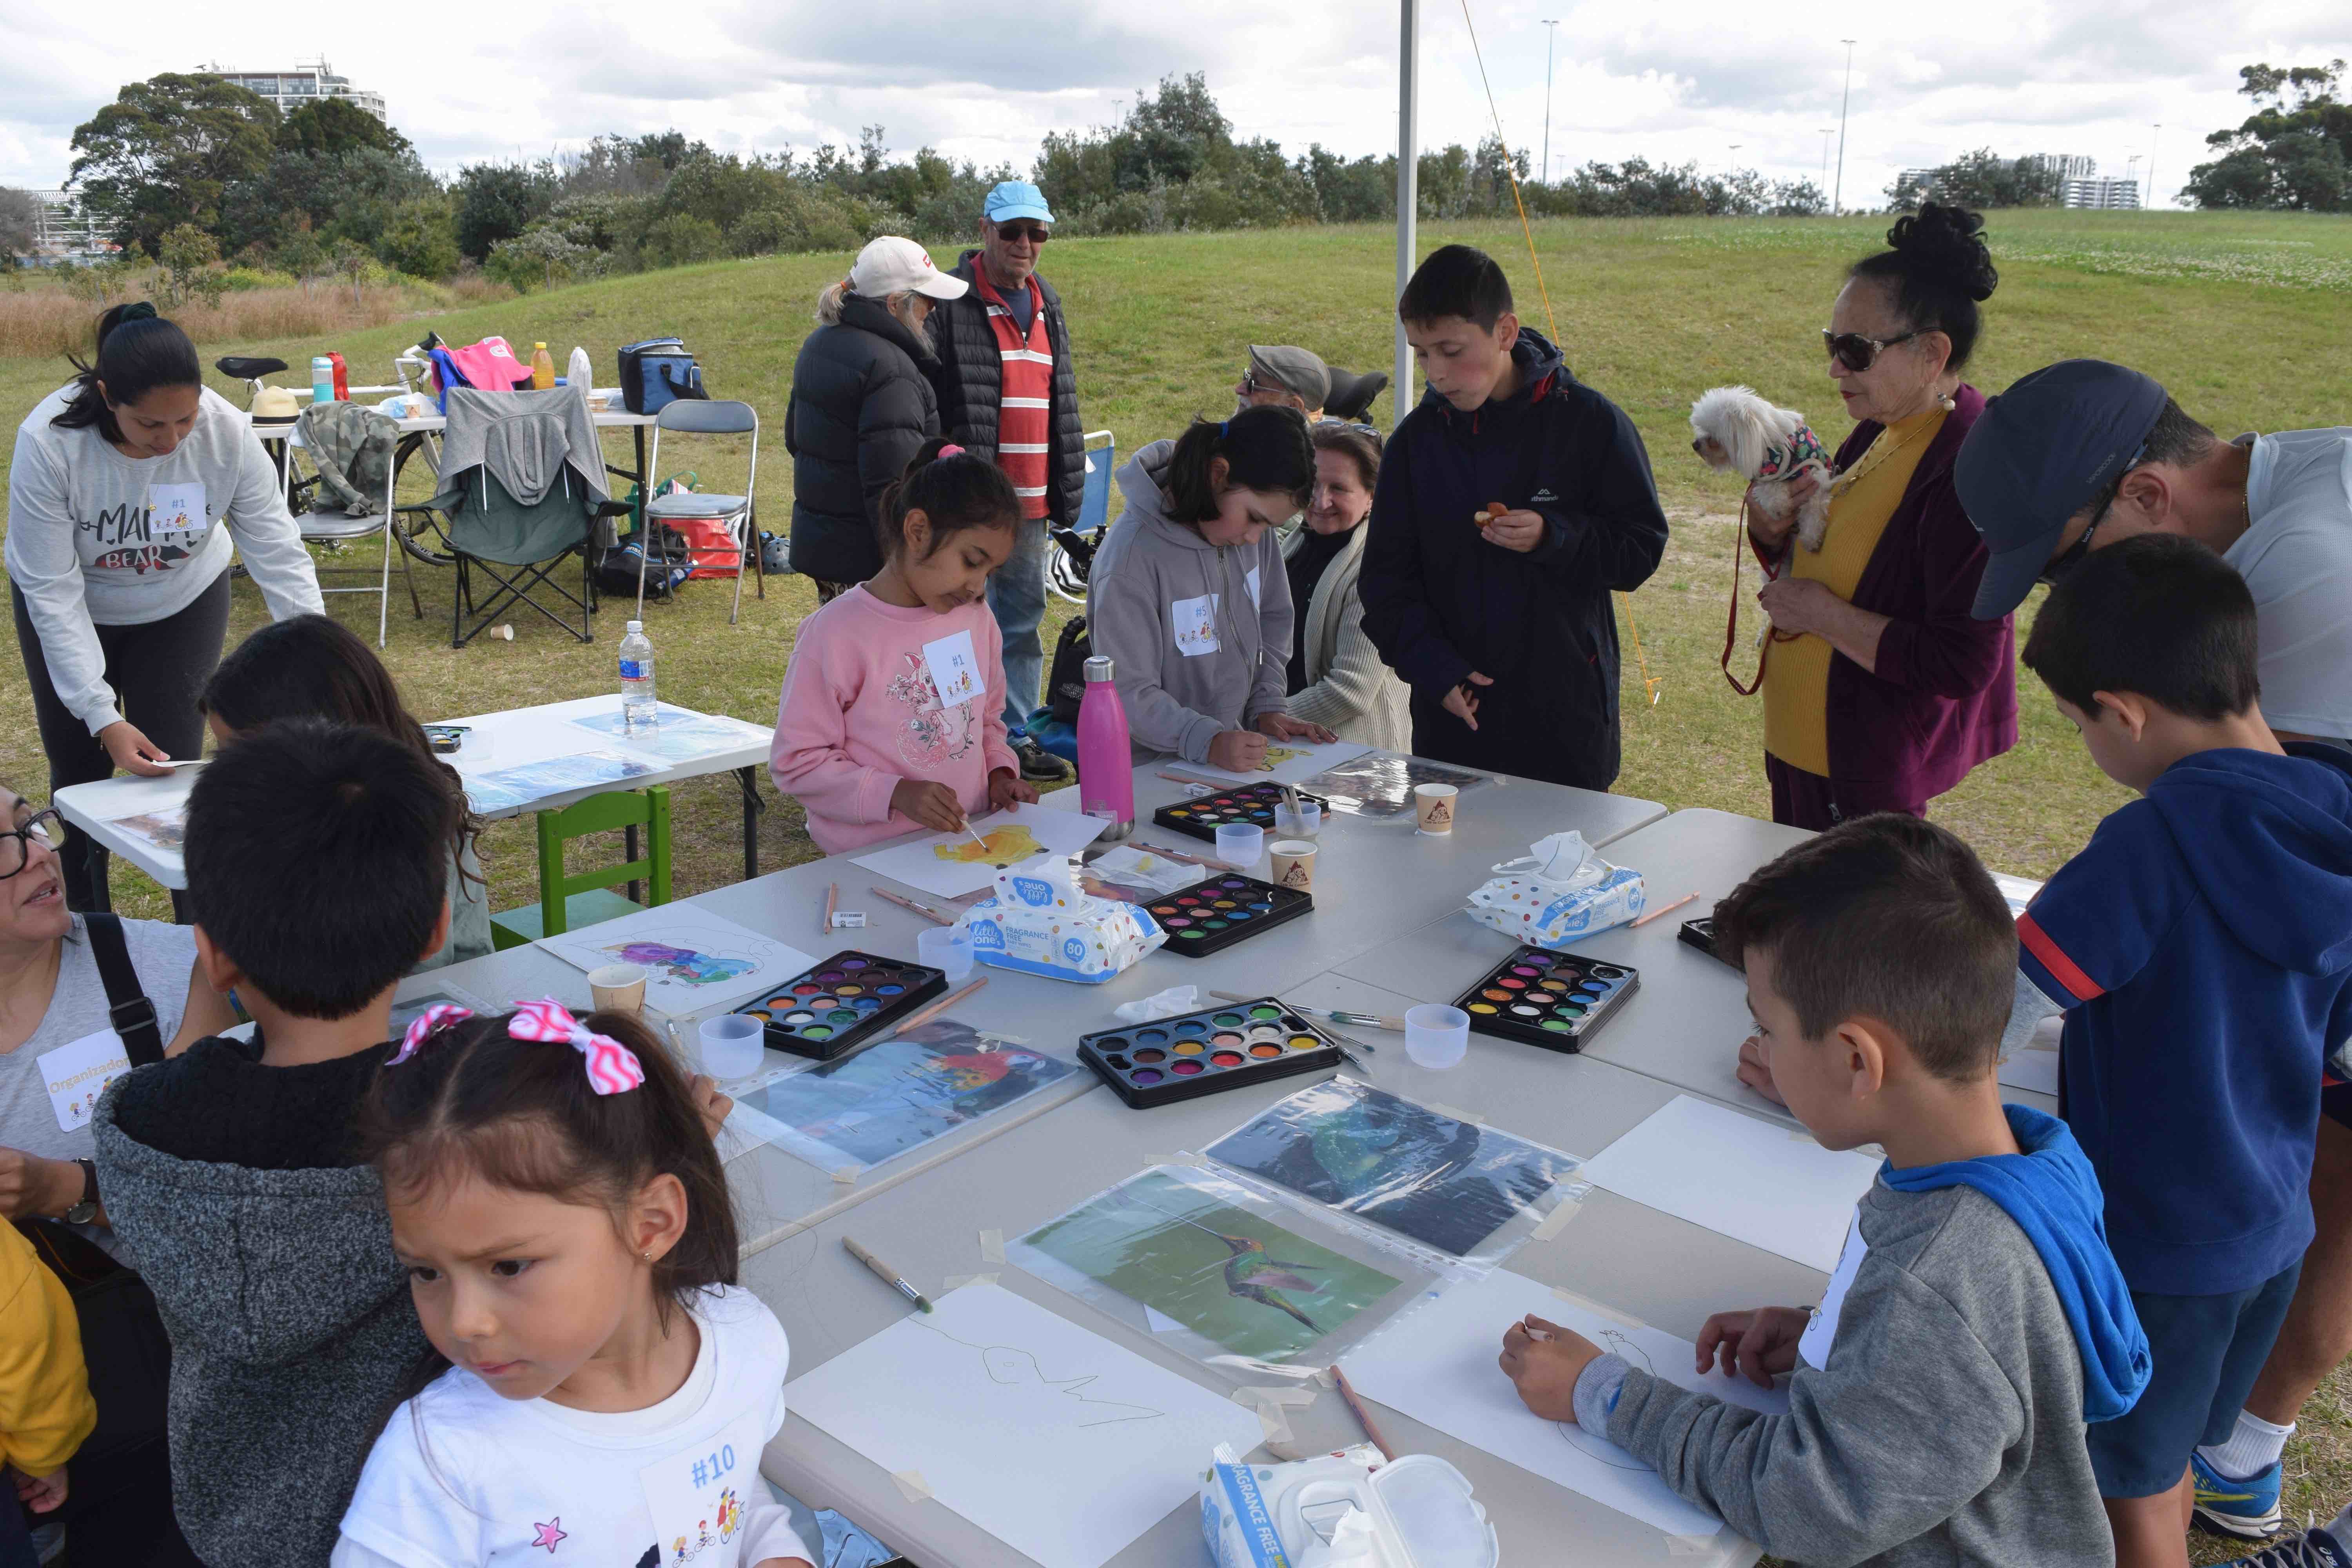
{"points": [[1007, 391]]}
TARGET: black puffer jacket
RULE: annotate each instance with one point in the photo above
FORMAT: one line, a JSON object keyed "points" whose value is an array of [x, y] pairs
{"points": [[862, 406], [969, 379]]}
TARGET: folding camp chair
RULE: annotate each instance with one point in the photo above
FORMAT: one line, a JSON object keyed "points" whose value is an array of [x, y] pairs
{"points": [[699, 416], [1073, 548], [351, 449]]}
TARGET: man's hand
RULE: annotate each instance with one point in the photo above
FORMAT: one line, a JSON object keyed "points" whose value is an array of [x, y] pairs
{"points": [[709, 1103], [131, 750], [932, 805], [1520, 531], [1463, 701], [1283, 727], [1755, 1069], [1543, 1360], [1007, 789], [41, 1494], [1796, 604], [31, 1186], [1238, 752], [1753, 1344]]}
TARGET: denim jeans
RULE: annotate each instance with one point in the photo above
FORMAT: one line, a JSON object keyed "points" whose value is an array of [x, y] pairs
{"points": [[1016, 596]]}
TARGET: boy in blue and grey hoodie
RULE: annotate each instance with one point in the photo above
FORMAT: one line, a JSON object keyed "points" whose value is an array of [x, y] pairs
{"points": [[2200, 946], [1975, 1319]]}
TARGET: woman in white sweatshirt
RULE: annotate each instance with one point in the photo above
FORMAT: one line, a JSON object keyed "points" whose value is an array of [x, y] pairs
{"points": [[127, 485]]}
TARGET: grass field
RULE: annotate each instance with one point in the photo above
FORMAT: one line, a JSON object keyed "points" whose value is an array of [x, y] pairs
{"points": [[2243, 317]]}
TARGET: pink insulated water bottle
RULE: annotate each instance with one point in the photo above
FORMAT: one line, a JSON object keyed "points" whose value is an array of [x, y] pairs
{"points": [[1106, 764]]}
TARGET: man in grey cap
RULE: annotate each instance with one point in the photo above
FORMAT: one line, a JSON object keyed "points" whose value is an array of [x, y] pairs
{"points": [[2082, 453], [1007, 392], [1286, 376]]}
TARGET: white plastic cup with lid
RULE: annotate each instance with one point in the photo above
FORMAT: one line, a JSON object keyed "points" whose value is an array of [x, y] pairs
{"points": [[1239, 844], [733, 1045], [947, 949]]}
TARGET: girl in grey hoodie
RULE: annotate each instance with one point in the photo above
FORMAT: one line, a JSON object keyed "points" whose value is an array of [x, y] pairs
{"points": [[1188, 597]]}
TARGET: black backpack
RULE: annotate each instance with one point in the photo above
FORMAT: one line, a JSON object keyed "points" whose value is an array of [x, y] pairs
{"points": [[1066, 682]]}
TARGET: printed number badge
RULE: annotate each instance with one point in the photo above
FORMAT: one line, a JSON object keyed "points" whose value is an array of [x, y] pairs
{"points": [[955, 668], [176, 509], [1195, 623]]}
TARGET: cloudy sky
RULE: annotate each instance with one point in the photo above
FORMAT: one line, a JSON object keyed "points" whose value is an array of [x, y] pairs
{"points": [[1709, 80]]}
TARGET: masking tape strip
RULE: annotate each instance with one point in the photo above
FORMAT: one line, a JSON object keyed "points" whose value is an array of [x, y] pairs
{"points": [[1557, 1221], [846, 1174], [1590, 1305], [1262, 1395], [1691, 1545], [1272, 1421], [958, 1282], [1472, 1117], [912, 1485], [992, 1247], [1323, 1378]]}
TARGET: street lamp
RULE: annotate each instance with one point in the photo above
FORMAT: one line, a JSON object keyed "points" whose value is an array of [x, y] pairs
{"points": [[1827, 132], [1837, 199], [2154, 132], [1552, 23]]}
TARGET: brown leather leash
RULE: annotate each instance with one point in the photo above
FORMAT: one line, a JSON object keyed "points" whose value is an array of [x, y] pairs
{"points": [[1731, 626]]}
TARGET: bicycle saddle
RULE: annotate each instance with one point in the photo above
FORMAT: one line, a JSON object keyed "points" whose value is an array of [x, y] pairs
{"points": [[1351, 395], [240, 368]]}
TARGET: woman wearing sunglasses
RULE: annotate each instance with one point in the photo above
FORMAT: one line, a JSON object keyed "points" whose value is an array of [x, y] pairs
{"points": [[1881, 691]]}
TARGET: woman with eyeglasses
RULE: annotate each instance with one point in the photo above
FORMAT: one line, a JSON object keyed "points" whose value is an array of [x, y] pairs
{"points": [[1881, 691]]}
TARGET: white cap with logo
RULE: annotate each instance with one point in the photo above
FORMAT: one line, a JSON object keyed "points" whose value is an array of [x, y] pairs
{"points": [[894, 266]]}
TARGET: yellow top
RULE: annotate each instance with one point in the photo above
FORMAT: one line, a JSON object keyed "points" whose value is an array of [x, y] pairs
{"points": [[46, 1409], [1796, 676]]}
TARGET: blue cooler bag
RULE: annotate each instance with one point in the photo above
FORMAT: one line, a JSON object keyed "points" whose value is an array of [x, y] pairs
{"points": [[657, 372]]}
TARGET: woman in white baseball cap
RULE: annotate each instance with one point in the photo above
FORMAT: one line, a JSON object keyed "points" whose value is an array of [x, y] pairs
{"points": [[862, 404]]}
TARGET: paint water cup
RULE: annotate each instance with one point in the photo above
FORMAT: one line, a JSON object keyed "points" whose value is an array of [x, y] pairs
{"points": [[1294, 865], [617, 987], [1433, 804], [947, 949], [733, 1046], [1303, 823], [1239, 844], [1436, 1036]]}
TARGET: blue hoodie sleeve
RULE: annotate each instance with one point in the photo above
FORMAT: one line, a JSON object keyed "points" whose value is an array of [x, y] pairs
{"points": [[2095, 923], [1398, 615]]}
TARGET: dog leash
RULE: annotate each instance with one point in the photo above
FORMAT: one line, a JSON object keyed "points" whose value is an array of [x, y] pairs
{"points": [[1731, 625]]}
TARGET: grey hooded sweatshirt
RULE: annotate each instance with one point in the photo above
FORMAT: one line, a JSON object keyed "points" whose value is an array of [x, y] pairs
{"points": [[1147, 585]]}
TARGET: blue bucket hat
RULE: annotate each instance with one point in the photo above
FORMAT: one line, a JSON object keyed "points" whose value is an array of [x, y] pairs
{"points": [[1015, 199]]}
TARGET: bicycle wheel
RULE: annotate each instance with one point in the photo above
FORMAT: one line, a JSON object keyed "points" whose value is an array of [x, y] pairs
{"points": [[423, 531]]}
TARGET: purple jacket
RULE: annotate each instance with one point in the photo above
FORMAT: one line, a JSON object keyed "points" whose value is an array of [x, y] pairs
{"points": [[1944, 697]]}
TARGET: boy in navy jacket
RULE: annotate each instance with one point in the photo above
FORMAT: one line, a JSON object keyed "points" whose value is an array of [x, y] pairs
{"points": [[1510, 504], [2201, 949]]}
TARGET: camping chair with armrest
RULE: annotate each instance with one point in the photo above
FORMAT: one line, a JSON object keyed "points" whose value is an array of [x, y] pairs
{"points": [[349, 497], [568, 903], [700, 416]]}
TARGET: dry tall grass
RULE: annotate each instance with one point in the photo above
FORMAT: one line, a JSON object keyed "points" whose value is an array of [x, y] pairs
{"points": [[42, 318]]}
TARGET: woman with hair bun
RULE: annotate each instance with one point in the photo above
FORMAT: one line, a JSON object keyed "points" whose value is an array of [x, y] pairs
{"points": [[127, 485], [1881, 691]]}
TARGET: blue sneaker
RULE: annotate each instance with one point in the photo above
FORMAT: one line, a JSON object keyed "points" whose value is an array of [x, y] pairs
{"points": [[2246, 1510], [2311, 1548]]}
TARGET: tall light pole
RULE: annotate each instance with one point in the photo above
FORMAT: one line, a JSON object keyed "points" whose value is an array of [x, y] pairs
{"points": [[1827, 132], [1552, 23], [2154, 132], [1837, 200]]}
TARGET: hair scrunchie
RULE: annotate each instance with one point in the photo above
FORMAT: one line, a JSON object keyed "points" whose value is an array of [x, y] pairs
{"points": [[950, 450]]}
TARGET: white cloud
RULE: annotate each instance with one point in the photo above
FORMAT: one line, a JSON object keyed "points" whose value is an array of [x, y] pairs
{"points": [[1708, 81]]}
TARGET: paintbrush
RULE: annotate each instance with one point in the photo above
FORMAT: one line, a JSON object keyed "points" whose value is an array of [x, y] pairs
{"points": [[939, 1007], [928, 913], [1661, 909], [1363, 1417], [832, 897], [1335, 1015], [1181, 858]]}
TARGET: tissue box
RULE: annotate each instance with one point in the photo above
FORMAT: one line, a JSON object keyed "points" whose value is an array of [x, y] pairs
{"points": [[1562, 889], [1040, 923], [1346, 1510]]}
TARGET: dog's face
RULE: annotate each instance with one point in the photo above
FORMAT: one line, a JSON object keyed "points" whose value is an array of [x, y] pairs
{"points": [[1711, 451], [1732, 428]]}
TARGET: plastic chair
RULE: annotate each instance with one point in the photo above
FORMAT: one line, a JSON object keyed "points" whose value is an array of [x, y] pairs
{"points": [[569, 903], [702, 416]]}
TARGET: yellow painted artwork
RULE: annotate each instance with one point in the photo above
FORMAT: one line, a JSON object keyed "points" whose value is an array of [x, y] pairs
{"points": [[1006, 846], [1277, 755]]}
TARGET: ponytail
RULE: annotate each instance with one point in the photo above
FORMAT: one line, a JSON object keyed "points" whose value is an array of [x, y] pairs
{"points": [[1264, 448], [138, 351], [954, 488]]}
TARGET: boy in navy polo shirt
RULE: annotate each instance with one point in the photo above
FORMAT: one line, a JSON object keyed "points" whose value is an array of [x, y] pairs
{"points": [[2201, 949]]}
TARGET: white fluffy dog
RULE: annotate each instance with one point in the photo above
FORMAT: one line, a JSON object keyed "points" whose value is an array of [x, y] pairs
{"points": [[1737, 431]]}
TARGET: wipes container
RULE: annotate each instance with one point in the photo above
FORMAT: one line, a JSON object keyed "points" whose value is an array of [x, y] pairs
{"points": [[1039, 922], [1349, 1509], [1560, 888]]}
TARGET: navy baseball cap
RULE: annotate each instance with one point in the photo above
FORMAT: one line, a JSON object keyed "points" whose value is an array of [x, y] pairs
{"points": [[2037, 455]]}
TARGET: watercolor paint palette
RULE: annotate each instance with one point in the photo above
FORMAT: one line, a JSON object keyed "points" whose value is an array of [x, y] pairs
{"points": [[1208, 917], [1556, 1000], [842, 1003], [1195, 1054], [1250, 805]]}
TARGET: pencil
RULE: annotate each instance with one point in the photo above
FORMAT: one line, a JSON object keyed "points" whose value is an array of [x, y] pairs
{"points": [[832, 895], [1363, 1418], [923, 910], [1663, 909], [939, 1007]]}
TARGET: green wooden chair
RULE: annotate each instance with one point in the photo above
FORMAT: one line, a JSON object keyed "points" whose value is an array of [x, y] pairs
{"points": [[568, 903]]}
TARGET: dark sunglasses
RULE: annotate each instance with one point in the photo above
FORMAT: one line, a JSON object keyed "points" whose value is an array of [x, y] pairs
{"points": [[1012, 233], [1856, 353]]}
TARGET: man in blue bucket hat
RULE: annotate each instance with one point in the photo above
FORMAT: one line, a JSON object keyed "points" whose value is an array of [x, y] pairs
{"points": [[1007, 392]]}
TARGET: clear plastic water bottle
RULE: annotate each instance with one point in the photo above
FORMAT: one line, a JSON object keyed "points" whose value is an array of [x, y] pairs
{"points": [[639, 708]]}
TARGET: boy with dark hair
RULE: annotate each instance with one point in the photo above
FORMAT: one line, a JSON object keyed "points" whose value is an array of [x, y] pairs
{"points": [[1510, 502], [2198, 947], [317, 860], [1975, 1321]]}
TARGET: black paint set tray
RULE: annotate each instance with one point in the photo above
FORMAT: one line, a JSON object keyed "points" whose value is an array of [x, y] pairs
{"points": [[1556, 1000], [1208, 917], [1195, 1054], [1251, 806], [842, 1003]]}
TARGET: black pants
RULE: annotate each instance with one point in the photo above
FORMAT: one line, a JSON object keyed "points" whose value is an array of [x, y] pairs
{"points": [[157, 670]]}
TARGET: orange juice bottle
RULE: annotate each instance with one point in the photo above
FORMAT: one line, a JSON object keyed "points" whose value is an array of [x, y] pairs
{"points": [[542, 367]]}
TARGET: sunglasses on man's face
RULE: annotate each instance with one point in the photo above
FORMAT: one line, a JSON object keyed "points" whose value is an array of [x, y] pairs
{"points": [[1856, 353], [1014, 232]]}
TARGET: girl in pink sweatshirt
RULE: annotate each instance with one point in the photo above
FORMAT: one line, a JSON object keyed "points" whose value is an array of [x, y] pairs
{"points": [[892, 714]]}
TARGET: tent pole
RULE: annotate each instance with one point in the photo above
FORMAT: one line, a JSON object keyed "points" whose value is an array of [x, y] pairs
{"points": [[1400, 390]]}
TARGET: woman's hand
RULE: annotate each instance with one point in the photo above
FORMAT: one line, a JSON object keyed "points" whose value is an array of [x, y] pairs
{"points": [[1798, 605], [1755, 1069], [1754, 1345], [932, 805], [1238, 752], [1520, 531], [1283, 727], [1543, 1360], [40, 1494], [1461, 702], [1769, 533], [32, 1187], [132, 752], [1007, 789]]}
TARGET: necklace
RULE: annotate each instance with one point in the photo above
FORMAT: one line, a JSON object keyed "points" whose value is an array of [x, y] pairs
{"points": [[1880, 453]]}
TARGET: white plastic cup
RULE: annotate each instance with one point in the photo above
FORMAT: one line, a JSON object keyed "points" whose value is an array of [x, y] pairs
{"points": [[1239, 844], [733, 1046], [947, 949], [1436, 1036], [1303, 823]]}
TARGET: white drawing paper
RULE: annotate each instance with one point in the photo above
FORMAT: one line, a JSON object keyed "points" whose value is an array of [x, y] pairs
{"points": [[950, 864], [2035, 1065], [681, 735], [1763, 1182], [694, 960], [164, 827], [1296, 760], [1059, 1443], [1437, 1365], [2016, 892]]}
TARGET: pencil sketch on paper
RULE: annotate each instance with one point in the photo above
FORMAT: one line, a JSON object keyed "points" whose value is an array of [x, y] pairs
{"points": [[1009, 1366], [1597, 1447]]}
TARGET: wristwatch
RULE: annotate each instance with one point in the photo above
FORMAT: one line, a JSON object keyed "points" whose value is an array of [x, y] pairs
{"points": [[84, 1212]]}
